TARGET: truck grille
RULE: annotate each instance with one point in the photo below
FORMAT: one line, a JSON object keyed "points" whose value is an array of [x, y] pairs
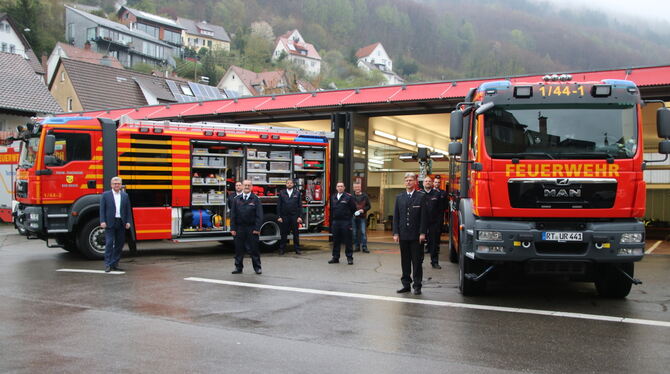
{"points": [[562, 193]]}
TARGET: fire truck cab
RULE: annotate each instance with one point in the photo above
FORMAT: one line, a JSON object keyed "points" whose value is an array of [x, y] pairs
{"points": [[178, 177], [547, 179]]}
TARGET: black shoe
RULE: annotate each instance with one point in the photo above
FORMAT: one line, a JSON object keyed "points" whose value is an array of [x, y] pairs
{"points": [[334, 261], [258, 271], [403, 290], [236, 271], [298, 252], [350, 261], [417, 291], [437, 266], [108, 269], [365, 250]]}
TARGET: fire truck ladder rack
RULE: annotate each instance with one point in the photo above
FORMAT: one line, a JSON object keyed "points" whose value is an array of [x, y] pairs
{"points": [[219, 127]]}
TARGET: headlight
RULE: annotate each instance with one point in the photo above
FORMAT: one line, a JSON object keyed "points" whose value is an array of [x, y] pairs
{"points": [[631, 237], [630, 251], [490, 235], [33, 216]]}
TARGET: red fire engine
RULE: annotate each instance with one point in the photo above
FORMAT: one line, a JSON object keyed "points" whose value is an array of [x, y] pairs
{"points": [[548, 180], [178, 177]]}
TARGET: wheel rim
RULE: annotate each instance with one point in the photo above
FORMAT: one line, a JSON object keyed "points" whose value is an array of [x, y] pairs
{"points": [[270, 228], [96, 240]]}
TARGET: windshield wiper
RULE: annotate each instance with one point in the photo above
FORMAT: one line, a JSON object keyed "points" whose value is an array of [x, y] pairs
{"points": [[596, 154], [523, 155]]}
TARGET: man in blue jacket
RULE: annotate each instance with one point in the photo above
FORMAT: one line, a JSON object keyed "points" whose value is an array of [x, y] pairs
{"points": [[115, 218], [246, 218]]}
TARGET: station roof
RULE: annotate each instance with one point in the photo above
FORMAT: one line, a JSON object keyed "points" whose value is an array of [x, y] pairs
{"points": [[653, 81]]}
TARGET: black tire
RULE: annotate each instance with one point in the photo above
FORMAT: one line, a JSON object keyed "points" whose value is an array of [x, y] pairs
{"points": [[611, 283], [467, 265], [91, 240], [270, 227], [68, 244]]}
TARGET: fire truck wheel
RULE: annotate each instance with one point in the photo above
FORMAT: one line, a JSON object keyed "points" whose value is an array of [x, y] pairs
{"points": [[467, 265], [270, 227], [68, 244], [92, 240], [611, 283]]}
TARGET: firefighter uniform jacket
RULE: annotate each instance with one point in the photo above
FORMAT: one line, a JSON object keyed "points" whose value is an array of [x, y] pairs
{"points": [[434, 206], [409, 216], [289, 206], [342, 209], [246, 213]]}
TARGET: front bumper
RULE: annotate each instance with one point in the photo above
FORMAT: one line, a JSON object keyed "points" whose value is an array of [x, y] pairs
{"points": [[30, 219], [523, 241]]}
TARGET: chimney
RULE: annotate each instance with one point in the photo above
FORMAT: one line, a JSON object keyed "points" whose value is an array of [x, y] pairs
{"points": [[87, 46], [106, 61]]}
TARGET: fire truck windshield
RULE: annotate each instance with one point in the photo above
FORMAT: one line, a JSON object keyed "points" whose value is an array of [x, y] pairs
{"points": [[550, 132], [29, 152]]}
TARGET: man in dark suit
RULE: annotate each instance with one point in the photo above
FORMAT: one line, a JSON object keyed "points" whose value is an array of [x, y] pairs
{"points": [[435, 216], [246, 218], [342, 208], [409, 229], [115, 218], [232, 195], [289, 208]]}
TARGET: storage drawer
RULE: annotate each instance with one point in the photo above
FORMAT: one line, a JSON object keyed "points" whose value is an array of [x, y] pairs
{"points": [[280, 155], [255, 177], [278, 180], [216, 199], [313, 155], [257, 165], [200, 150], [200, 161], [199, 199], [198, 180], [217, 162], [213, 181], [279, 166]]}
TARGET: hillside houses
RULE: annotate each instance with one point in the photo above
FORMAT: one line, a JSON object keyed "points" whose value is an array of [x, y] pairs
{"points": [[293, 46], [201, 34], [374, 57]]}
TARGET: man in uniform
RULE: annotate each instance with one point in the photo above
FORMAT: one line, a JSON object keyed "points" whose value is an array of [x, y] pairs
{"points": [[232, 195], [409, 229], [342, 208], [435, 216], [246, 218], [289, 208]]}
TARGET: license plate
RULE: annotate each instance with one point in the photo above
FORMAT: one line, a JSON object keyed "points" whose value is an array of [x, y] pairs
{"points": [[562, 236]]}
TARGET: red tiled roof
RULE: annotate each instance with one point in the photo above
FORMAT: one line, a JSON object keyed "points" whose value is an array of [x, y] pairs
{"points": [[267, 79], [366, 51], [340, 99], [87, 55]]}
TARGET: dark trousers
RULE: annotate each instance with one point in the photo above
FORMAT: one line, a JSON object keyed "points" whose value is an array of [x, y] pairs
{"points": [[433, 241], [247, 242], [360, 239], [289, 224], [115, 238], [341, 231], [411, 261]]}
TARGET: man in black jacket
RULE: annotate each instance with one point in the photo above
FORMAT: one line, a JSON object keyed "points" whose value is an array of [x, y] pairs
{"points": [[359, 221], [289, 209], [435, 216], [342, 208], [246, 218], [409, 229], [232, 195]]}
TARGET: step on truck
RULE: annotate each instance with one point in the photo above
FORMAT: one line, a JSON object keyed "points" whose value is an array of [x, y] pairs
{"points": [[178, 177], [546, 179]]}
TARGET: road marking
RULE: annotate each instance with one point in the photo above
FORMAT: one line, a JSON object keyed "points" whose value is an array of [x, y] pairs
{"points": [[551, 313], [91, 271], [651, 249]]}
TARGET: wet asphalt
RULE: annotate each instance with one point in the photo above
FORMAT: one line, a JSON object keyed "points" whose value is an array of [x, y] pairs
{"points": [[152, 320]]}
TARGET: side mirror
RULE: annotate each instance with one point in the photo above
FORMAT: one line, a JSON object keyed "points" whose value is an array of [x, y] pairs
{"points": [[456, 125], [455, 149], [663, 122], [50, 145], [664, 147]]}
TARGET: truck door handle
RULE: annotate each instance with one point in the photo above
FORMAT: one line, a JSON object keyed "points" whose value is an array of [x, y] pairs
{"points": [[90, 184]]}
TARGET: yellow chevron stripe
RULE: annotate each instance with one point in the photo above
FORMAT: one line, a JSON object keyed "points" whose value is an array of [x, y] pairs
{"points": [[154, 168], [159, 187], [145, 141], [149, 159], [93, 176], [157, 177], [153, 150], [152, 231]]}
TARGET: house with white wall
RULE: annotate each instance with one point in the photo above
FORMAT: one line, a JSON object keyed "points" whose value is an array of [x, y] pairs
{"points": [[298, 51], [374, 57]]}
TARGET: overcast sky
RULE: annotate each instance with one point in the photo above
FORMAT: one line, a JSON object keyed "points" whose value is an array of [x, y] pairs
{"points": [[651, 9]]}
